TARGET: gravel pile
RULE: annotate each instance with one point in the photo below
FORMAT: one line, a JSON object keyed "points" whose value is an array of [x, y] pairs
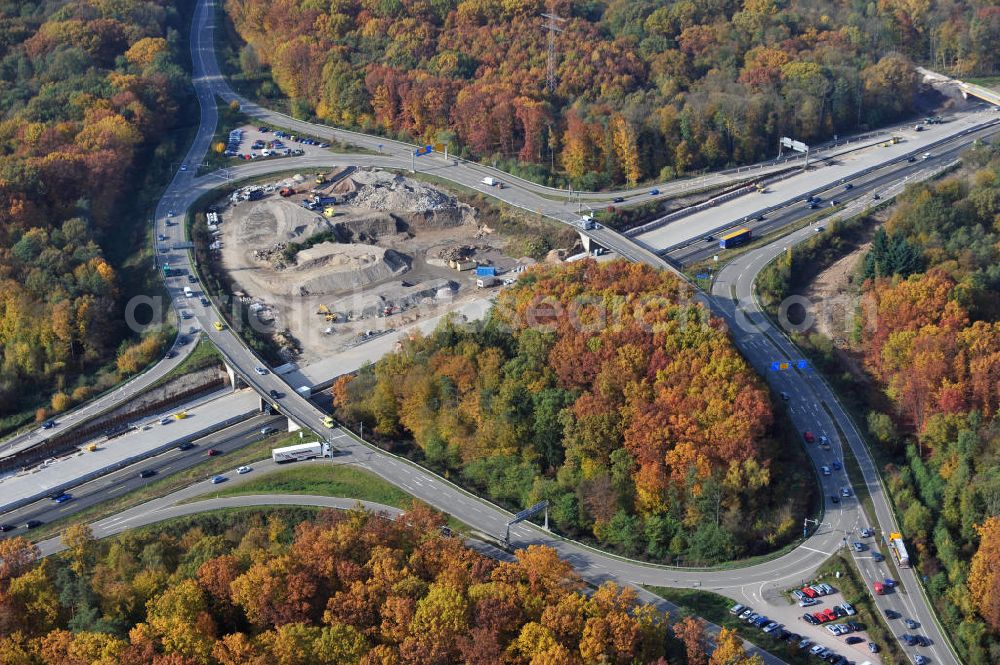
{"points": [[380, 190]]}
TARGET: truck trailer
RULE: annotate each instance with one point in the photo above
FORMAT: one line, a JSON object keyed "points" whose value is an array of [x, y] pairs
{"points": [[301, 451], [735, 238]]}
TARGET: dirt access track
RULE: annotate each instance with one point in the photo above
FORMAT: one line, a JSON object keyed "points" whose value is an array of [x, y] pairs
{"points": [[333, 258]]}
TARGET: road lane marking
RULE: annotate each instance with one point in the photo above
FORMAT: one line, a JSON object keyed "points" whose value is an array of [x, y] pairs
{"points": [[806, 547]]}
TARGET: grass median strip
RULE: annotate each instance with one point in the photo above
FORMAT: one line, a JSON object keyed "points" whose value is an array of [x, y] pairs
{"points": [[322, 480]]}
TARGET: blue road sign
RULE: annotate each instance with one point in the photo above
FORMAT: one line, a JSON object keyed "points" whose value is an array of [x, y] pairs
{"points": [[802, 364], [529, 512], [426, 150], [775, 366], [702, 275]]}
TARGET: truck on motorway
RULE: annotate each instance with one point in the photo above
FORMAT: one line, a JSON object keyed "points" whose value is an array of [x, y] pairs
{"points": [[735, 238], [304, 391], [301, 451], [587, 223], [490, 181], [188, 292], [899, 549]]}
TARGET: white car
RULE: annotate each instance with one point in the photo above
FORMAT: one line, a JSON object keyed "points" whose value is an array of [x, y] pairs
{"points": [[184, 167], [164, 421], [825, 470], [845, 491], [808, 602], [260, 370], [244, 469]]}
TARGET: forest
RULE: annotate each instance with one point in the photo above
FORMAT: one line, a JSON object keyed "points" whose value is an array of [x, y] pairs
{"points": [[605, 389], [646, 89], [88, 88], [335, 588]]}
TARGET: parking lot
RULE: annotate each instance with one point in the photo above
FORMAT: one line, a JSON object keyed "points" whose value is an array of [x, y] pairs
{"points": [[834, 633], [260, 142]]}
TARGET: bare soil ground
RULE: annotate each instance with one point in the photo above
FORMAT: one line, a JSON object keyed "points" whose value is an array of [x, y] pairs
{"points": [[379, 258]]}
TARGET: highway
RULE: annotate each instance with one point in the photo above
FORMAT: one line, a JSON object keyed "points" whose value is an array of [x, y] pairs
{"points": [[809, 394], [127, 479]]}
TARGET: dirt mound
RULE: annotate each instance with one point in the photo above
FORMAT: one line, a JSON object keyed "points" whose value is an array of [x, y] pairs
{"points": [[415, 203], [368, 227], [333, 268], [269, 220]]}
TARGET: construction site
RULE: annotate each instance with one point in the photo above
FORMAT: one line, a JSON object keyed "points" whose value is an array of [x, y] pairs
{"points": [[327, 261]]}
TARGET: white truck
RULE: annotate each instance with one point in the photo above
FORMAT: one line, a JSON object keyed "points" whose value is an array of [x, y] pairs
{"points": [[188, 293], [490, 181], [301, 451]]}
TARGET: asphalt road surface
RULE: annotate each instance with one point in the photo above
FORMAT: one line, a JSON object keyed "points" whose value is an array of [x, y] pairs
{"points": [[127, 479]]}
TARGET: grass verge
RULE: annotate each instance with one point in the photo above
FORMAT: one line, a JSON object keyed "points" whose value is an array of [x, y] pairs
{"points": [[337, 480], [715, 608], [163, 486], [203, 355]]}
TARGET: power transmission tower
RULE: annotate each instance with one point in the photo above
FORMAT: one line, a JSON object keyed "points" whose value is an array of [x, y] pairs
{"points": [[553, 27]]}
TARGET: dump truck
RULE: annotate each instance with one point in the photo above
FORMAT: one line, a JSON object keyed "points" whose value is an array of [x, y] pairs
{"points": [[301, 451]]}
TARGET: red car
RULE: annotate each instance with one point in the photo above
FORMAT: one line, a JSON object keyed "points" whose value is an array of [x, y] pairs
{"points": [[212, 452], [809, 592], [808, 436], [829, 614]]}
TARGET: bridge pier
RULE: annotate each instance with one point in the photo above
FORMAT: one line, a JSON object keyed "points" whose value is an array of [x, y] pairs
{"points": [[234, 379], [586, 241]]}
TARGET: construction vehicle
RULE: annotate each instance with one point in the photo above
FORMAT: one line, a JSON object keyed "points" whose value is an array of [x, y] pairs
{"points": [[286, 192], [320, 178], [322, 309], [329, 211]]}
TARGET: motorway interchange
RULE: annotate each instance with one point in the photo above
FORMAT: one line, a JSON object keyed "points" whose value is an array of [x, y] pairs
{"points": [[812, 404]]}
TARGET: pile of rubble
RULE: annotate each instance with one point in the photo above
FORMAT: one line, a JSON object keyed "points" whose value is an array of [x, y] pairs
{"points": [[381, 190], [273, 255]]}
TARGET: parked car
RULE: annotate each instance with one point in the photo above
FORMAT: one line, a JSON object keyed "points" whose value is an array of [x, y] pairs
{"points": [[808, 602], [798, 594], [809, 592], [810, 619], [873, 647], [849, 609]]}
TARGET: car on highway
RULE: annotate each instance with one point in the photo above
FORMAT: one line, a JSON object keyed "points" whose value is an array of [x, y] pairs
{"points": [[834, 202], [908, 639], [819, 229], [922, 640], [845, 492], [212, 452], [858, 547], [182, 340], [911, 624], [891, 614], [218, 479], [618, 199], [328, 422], [848, 186], [184, 167], [877, 557], [147, 473], [171, 213], [709, 238], [187, 445], [808, 436], [911, 159], [274, 394], [33, 524], [813, 205], [876, 196], [889, 582], [654, 192], [825, 470], [166, 420], [244, 469], [63, 498], [218, 325], [919, 660], [260, 370], [834, 498], [867, 532], [48, 424], [4, 528], [267, 430], [926, 155]]}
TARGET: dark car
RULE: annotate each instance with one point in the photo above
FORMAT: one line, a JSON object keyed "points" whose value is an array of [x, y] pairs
{"points": [[147, 473], [192, 279], [33, 524], [853, 626], [204, 301], [48, 424], [274, 394], [848, 186], [813, 205], [709, 238], [891, 614], [835, 498], [654, 192], [63, 498], [873, 647], [810, 619], [7, 527], [618, 199], [854, 639], [187, 445], [911, 624], [212, 452], [923, 641], [171, 354], [911, 159]]}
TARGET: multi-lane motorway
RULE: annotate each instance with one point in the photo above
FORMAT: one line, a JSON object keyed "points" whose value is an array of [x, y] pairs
{"points": [[813, 404]]}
